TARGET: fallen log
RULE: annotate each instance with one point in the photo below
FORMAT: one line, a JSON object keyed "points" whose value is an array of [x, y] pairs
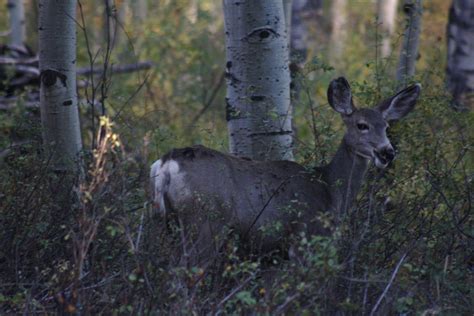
{"points": [[116, 69]]}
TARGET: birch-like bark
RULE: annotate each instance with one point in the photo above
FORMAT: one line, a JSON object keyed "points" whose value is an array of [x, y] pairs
{"points": [[16, 12], [411, 39], [193, 11], [58, 97], [387, 12], [339, 31], [140, 9], [460, 68], [299, 30], [120, 23], [287, 4], [139, 12], [258, 80]]}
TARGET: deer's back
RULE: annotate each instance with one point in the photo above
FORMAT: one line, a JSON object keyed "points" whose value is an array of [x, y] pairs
{"points": [[203, 185]]}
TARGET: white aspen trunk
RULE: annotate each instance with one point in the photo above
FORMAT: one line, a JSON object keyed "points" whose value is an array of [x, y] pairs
{"points": [[460, 66], [411, 39], [287, 4], [298, 31], [58, 97], [193, 11], [16, 12], [140, 10], [387, 12], [120, 23], [31, 22], [123, 11], [258, 80], [338, 32]]}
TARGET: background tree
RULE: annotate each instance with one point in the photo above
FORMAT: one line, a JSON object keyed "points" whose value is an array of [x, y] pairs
{"points": [[460, 68], [338, 29], [140, 8], [111, 26], [17, 22], [58, 97], [411, 38], [258, 80], [386, 14], [299, 31], [305, 16]]}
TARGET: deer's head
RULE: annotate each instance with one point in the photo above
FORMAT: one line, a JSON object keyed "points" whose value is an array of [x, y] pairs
{"points": [[366, 133]]}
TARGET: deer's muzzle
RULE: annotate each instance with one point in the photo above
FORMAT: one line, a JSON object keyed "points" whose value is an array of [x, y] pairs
{"points": [[384, 156]]}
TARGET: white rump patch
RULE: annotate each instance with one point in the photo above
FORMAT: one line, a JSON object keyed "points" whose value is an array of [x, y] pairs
{"points": [[173, 167], [161, 176]]}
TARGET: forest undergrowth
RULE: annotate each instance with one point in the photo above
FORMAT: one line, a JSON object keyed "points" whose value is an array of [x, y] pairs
{"points": [[405, 247]]}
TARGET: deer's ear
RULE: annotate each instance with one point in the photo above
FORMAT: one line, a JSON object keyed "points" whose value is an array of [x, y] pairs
{"points": [[401, 104], [340, 96]]}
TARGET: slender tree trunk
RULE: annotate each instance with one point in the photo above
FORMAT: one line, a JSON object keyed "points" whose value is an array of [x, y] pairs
{"points": [[304, 13], [299, 31], [460, 68], [121, 21], [258, 80], [387, 12], [193, 11], [16, 11], [58, 98], [339, 31], [110, 23], [287, 4], [31, 20], [411, 39], [140, 9]]}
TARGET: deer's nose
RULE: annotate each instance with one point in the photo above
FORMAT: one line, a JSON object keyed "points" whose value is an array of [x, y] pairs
{"points": [[386, 154]]}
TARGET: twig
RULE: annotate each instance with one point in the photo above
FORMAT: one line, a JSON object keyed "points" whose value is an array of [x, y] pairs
{"points": [[140, 229], [5, 152], [366, 290], [288, 300], [392, 278], [208, 104], [101, 283], [364, 280], [234, 291]]}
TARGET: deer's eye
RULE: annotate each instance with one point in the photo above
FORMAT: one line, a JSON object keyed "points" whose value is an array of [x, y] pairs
{"points": [[362, 126]]}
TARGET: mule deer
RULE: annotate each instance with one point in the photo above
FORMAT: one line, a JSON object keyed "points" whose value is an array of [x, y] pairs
{"points": [[211, 193]]}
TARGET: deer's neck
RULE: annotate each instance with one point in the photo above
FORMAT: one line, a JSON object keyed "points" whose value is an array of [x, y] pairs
{"points": [[344, 176]]}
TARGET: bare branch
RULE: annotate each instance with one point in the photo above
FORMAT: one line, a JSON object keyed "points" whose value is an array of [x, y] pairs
{"points": [[392, 278], [15, 61]]}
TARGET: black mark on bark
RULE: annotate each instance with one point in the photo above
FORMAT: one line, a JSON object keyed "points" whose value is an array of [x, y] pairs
{"points": [[231, 113], [48, 77], [261, 34], [258, 98], [264, 34], [271, 133]]}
